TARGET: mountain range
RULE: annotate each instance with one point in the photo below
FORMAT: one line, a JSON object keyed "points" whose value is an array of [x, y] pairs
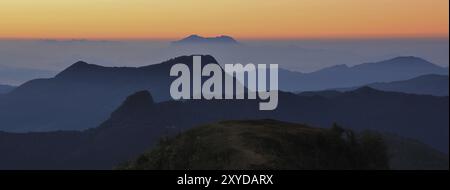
{"points": [[91, 91], [140, 122], [342, 76], [431, 84]]}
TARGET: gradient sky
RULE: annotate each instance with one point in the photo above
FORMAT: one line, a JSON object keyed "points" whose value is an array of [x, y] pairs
{"points": [[125, 19]]}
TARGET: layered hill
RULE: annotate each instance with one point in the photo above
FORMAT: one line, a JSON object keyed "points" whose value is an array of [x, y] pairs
{"points": [[432, 84], [365, 108], [342, 76], [83, 95], [264, 144], [140, 122], [90, 92]]}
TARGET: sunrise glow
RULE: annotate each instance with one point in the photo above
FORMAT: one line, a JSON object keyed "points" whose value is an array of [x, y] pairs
{"points": [[169, 19]]}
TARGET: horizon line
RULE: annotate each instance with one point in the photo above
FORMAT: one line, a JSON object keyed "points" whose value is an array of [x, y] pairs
{"points": [[237, 38]]}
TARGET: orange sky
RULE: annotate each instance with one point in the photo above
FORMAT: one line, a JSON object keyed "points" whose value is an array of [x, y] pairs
{"points": [[156, 19]]}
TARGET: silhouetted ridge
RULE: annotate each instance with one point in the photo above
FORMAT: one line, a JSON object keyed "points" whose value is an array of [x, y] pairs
{"points": [[135, 103], [431, 84], [403, 61], [336, 67], [90, 92], [138, 124], [410, 59], [80, 64], [365, 90], [186, 59], [79, 68], [324, 93], [342, 76], [141, 98], [196, 39]]}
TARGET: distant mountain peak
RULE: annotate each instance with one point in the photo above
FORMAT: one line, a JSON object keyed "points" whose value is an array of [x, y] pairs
{"points": [[411, 59], [208, 58], [196, 39], [407, 60], [336, 67], [431, 76], [80, 63], [79, 66], [193, 36]]}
